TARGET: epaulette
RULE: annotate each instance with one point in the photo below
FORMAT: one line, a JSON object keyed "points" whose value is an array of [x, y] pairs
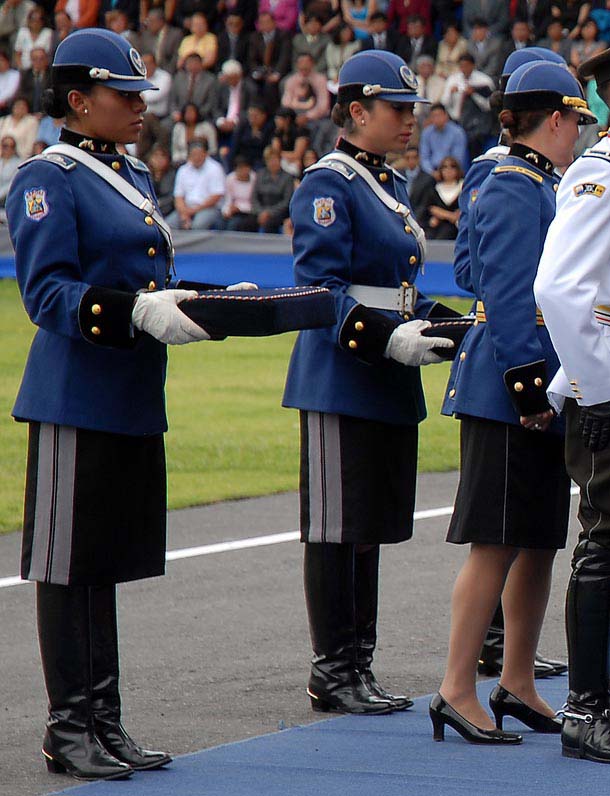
{"points": [[594, 153], [52, 157], [334, 165], [496, 157], [137, 164], [519, 170]]}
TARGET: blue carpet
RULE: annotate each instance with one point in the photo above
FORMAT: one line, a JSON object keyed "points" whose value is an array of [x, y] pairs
{"points": [[360, 756]]}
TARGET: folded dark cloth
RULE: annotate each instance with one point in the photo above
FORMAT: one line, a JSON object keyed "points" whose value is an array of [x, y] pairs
{"points": [[260, 312], [453, 328]]}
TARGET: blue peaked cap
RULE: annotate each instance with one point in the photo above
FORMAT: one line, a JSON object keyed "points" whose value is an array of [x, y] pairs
{"points": [[528, 55], [377, 74], [95, 55], [538, 85]]}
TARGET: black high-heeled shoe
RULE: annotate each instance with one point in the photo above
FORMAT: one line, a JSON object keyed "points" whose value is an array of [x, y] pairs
{"points": [[503, 703], [442, 713]]}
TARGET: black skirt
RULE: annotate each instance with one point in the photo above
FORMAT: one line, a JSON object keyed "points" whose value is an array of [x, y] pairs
{"points": [[95, 507], [358, 480], [513, 488]]}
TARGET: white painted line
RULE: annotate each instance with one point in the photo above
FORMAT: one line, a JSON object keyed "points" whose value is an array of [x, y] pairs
{"points": [[254, 541]]}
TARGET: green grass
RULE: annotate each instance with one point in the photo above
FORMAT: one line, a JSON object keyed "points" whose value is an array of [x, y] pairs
{"points": [[229, 436]]}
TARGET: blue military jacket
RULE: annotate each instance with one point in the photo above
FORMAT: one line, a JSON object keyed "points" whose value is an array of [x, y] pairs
{"points": [[344, 235], [505, 363], [82, 252]]}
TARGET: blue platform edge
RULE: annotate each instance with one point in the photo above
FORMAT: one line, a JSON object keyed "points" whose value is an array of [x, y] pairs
{"points": [[360, 756], [269, 270]]}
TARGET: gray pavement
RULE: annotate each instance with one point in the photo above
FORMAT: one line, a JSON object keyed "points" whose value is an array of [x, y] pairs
{"points": [[218, 649]]}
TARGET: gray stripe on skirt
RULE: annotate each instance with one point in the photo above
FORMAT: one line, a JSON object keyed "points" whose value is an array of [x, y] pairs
{"points": [[325, 491], [52, 538]]}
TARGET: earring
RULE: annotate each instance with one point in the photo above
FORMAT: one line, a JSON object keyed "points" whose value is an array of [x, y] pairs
{"points": [[362, 122], [86, 110]]}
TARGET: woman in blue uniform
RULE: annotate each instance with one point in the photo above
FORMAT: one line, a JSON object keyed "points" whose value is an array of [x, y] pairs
{"points": [[91, 269], [513, 496], [357, 384]]}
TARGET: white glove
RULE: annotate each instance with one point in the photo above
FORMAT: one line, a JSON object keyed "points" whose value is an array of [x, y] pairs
{"points": [[242, 286], [408, 346], [158, 314]]}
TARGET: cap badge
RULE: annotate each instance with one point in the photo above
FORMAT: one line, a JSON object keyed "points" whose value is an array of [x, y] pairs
{"points": [[408, 78], [136, 60]]}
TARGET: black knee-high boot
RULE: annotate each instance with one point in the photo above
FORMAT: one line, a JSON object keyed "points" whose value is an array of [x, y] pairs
{"points": [[70, 744], [366, 580], [105, 697], [586, 725], [335, 682]]}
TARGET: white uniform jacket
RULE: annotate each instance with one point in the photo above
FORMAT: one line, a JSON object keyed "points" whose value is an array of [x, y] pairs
{"points": [[572, 287]]}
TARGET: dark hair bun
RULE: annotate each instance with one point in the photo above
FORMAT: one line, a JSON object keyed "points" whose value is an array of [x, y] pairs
{"points": [[51, 104], [339, 114]]}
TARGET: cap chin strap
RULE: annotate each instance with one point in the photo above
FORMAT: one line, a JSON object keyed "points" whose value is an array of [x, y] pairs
{"points": [[97, 73], [370, 90]]}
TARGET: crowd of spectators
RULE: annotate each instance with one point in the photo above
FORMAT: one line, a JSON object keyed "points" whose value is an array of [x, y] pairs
{"points": [[246, 88]]}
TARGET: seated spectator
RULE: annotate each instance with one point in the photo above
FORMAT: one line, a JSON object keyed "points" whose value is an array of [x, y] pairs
{"points": [[9, 163], [588, 45], [36, 79], [357, 14], [234, 96], [237, 215], [269, 59], [191, 128], [466, 97], [536, 14], [201, 41], [49, 130], [155, 129], [9, 83], [13, 15], [383, 37], [84, 13], [441, 138], [129, 8], [573, 14], [233, 41], [419, 183], [520, 36], [163, 176], [273, 190], [442, 201], [160, 38], [429, 85], [450, 48], [342, 47], [417, 42], [494, 12], [63, 28], [193, 84], [311, 41], [252, 136], [487, 50], [246, 9], [22, 126], [186, 10], [117, 21], [399, 12], [601, 15], [285, 13], [289, 141], [199, 189], [33, 34], [299, 85], [329, 12], [556, 39]]}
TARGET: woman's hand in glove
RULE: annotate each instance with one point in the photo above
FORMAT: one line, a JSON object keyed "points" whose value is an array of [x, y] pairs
{"points": [[158, 314], [408, 346]]}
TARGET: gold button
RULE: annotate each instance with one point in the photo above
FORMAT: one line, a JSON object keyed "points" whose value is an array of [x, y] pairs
{"points": [[353, 344], [152, 285], [518, 387], [573, 381], [148, 220], [116, 165], [463, 356], [476, 323], [96, 330], [358, 326], [152, 251], [451, 393], [408, 229], [412, 259], [538, 382], [96, 309], [555, 188], [405, 284], [383, 177]]}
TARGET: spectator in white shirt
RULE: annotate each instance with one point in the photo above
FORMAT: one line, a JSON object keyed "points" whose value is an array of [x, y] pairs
{"points": [[237, 215], [153, 130], [191, 127], [468, 82], [200, 187], [34, 34], [9, 83], [9, 163], [22, 125], [429, 85]]}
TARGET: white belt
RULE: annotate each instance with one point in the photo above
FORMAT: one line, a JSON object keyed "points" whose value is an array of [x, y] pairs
{"points": [[399, 299]]}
